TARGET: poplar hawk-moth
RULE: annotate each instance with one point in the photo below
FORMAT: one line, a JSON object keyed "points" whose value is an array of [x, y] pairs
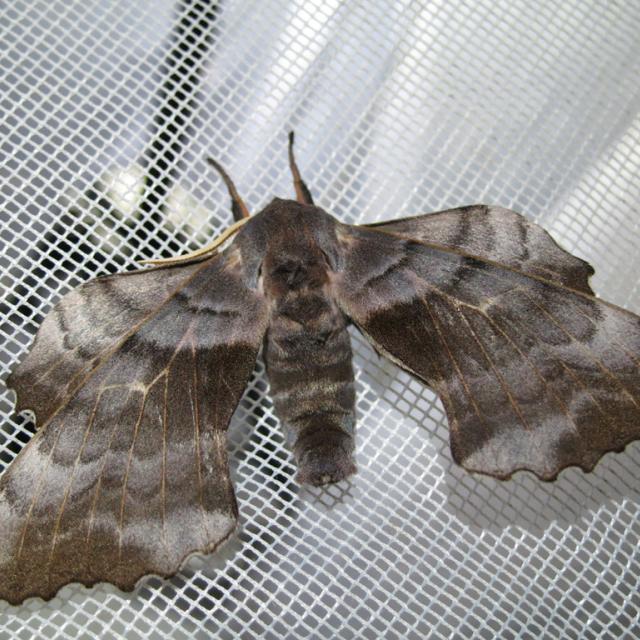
{"points": [[133, 378]]}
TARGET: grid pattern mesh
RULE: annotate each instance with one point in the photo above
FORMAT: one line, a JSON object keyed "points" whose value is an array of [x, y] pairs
{"points": [[108, 111]]}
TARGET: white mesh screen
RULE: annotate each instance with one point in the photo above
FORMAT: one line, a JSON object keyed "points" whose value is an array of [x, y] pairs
{"points": [[399, 108]]}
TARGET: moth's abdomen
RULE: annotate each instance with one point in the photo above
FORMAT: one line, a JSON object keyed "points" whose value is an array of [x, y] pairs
{"points": [[308, 356]]}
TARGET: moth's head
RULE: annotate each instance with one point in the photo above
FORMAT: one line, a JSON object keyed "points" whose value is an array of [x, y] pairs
{"points": [[290, 244]]}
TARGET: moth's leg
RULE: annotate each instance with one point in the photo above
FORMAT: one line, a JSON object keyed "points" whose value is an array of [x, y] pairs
{"points": [[238, 207], [303, 195]]}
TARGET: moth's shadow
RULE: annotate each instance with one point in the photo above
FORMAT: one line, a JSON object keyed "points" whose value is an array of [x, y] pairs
{"points": [[524, 501], [480, 502]]}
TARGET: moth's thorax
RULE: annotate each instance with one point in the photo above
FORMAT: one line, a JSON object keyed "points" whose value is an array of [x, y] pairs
{"points": [[288, 247], [294, 272]]}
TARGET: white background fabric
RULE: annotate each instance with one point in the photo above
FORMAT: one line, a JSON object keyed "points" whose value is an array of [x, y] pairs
{"points": [[399, 108]]}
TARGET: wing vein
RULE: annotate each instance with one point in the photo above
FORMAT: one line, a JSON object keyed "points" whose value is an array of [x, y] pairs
{"points": [[557, 360], [584, 348], [96, 495], [67, 491], [461, 377], [538, 373], [195, 412], [439, 385], [439, 248], [503, 384], [163, 480], [55, 365], [125, 481], [36, 493]]}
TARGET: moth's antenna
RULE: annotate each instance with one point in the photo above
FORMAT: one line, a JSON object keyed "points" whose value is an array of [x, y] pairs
{"points": [[238, 207], [303, 195]]}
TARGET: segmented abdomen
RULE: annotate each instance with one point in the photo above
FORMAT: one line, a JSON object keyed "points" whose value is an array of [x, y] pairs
{"points": [[308, 356]]}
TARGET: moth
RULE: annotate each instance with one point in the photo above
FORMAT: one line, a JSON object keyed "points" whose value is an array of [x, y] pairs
{"points": [[134, 377]]}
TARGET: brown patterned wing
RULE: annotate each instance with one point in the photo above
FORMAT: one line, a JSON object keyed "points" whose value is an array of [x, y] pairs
{"points": [[533, 375], [499, 235], [83, 327], [134, 379]]}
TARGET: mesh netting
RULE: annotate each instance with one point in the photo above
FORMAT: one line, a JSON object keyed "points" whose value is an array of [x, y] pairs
{"points": [[108, 112]]}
